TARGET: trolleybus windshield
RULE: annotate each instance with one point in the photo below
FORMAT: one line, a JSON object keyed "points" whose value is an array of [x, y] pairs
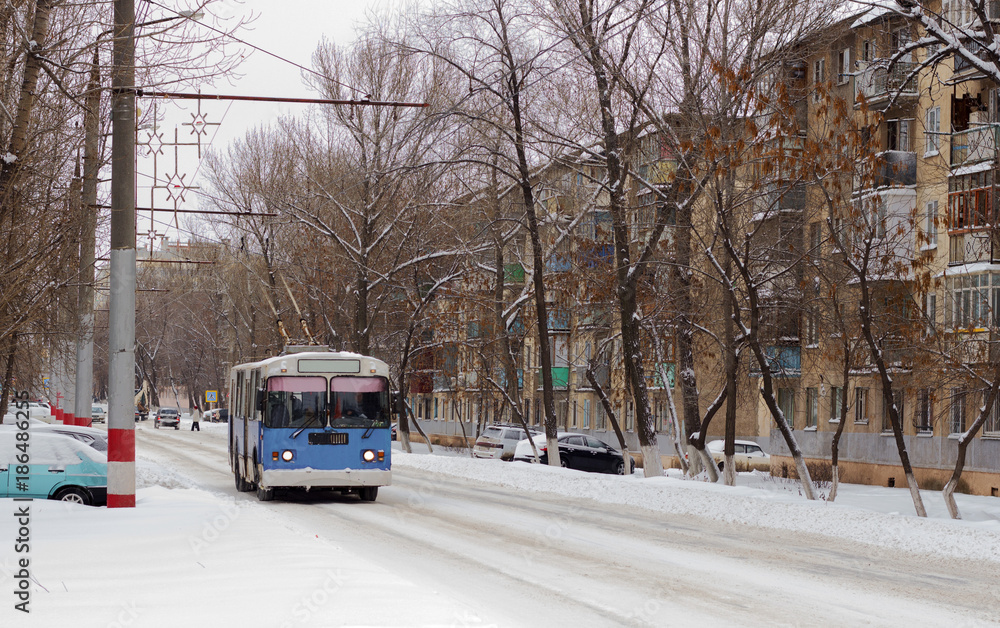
{"points": [[359, 402], [296, 402]]}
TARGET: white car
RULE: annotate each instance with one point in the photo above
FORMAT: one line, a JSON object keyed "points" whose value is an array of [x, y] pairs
{"points": [[499, 441], [747, 455], [98, 414], [35, 410]]}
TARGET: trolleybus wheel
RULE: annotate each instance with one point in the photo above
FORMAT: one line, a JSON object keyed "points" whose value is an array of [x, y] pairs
{"points": [[263, 494], [368, 493]]}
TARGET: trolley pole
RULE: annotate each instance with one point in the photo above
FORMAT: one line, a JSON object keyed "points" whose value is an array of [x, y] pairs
{"points": [[121, 319]]}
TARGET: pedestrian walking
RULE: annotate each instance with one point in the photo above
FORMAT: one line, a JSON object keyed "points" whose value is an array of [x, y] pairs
{"points": [[195, 418]]}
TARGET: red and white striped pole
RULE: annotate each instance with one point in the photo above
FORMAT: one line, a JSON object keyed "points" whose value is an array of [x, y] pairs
{"points": [[121, 318]]}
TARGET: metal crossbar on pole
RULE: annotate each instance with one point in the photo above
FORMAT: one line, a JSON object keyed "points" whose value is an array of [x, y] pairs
{"points": [[145, 93]]}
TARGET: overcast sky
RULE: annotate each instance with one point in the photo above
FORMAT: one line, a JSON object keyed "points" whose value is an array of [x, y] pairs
{"points": [[289, 28]]}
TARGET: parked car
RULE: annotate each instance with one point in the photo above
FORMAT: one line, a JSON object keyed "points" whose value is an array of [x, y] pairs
{"points": [[216, 416], [98, 439], [577, 451], [59, 467], [140, 414], [499, 441], [98, 414], [168, 417], [393, 428], [34, 409], [748, 455]]}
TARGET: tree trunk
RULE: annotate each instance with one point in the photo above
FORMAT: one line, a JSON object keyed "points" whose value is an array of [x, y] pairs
{"points": [[17, 144], [963, 444]]}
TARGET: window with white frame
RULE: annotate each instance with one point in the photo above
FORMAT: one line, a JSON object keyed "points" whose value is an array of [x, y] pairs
{"points": [[957, 12], [973, 301], [844, 69], [812, 408], [629, 416], [861, 405], [898, 134], [932, 129], [819, 77], [586, 414], [930, 312], [836, 402], [925, 411], [992, 425], [867, 50], [956, 424], [930, 224]]}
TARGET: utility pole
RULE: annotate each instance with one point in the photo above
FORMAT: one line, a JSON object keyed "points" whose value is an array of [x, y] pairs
{"points": [[91, 165], [121, 320]]}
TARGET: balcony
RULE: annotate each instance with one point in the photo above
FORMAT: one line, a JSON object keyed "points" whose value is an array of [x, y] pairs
{"points": [[559, 263], [513, 273], [973, 246], [559, 319], [783, 362], [896, 168], [600, 374], [974, 145], [560, 377], [878, 82]]}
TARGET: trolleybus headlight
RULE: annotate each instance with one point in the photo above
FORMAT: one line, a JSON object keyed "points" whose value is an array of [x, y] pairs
{"points": [[368, 455], [287, 455]]}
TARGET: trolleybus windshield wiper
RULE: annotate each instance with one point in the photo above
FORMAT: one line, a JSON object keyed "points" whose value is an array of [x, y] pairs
{"points": [[368, 432], [310, 422]]}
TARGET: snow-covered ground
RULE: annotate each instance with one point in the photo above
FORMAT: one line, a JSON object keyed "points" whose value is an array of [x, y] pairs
{"points": [[193, 553]]}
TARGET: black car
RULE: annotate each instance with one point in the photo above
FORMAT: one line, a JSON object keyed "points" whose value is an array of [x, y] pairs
{"points": [[168, 417], [577, 451]]}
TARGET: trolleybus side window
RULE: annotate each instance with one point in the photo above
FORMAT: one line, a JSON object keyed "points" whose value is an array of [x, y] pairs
{"points": [[359, 402], [296, 402]]}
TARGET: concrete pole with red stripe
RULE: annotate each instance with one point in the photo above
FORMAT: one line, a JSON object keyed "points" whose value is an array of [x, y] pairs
{"points": [[121, 318]]}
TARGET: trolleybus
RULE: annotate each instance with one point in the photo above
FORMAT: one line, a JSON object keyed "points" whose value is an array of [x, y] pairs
{"points": [[310, 419]]}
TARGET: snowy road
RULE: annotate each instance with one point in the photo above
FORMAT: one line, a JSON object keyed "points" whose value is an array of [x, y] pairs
{"points": [[520, 559]]}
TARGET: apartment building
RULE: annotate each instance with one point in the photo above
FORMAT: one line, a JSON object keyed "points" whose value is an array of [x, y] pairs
{"points": [[919, 202]]}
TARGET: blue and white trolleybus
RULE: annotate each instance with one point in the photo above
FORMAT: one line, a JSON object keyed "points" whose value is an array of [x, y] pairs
{"points": [[310, 419]]}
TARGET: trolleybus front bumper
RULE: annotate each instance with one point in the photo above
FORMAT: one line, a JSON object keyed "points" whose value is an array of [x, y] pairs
{"points": [[273, 478]]}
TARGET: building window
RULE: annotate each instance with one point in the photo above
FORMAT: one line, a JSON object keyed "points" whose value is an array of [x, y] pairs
{"points": [[812, 327], [897, 399], [992, 425], [861, 405], [819, 76], [435, 407], [574, 413], [836, 403], [843, 66], [815, 242], [867, 50], [786, 403], [629, 416], [930, 224], [925, 411], [930, 312], [931, 130], [586, 414], [957, 415], [898, 135], [974, 301], [812, 408]]}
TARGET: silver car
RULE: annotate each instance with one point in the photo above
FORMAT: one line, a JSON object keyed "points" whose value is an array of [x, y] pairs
{"points": [[499, 441]]}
